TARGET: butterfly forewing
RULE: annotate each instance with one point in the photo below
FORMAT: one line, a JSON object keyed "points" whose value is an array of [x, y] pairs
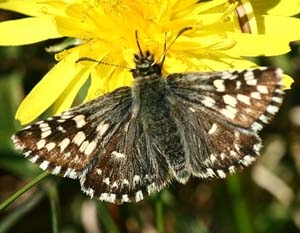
{"points": [[247, 98], [69, 144]]}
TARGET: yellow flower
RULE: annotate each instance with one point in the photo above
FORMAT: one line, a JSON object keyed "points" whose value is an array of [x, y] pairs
{"points": [[105, 29]]}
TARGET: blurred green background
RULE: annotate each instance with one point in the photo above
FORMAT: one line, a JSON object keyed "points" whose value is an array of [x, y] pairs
{"points": [[263, 198]]}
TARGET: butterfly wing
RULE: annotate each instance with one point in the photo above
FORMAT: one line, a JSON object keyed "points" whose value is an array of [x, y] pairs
{"points": [[130, 168], [103, 144], [220, 114], [68, 144]]}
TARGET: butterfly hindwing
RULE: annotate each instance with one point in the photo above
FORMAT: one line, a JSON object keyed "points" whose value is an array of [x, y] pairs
{"points": [[214, 149], [129, 168]]}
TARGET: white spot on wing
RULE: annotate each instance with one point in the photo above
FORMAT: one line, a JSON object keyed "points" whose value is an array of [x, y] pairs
{"points": [[136, 179], [106, 181], [44, 129], [277, 99], [191, 109], [255, 95], [43, 124], [70, 172], [272, 109], [50, 146], [262, 89], [229, 112], [56, 170], [90, 148], [219, 84], [231, 169], [221, 174], [228, 99], [44, 165], [79, 138], [213, 129], [41, 144], [27, 153], [139, 196], [244, 99], [125, 182], [60, 128], [102, 128], [63, 144], [208, 101], [249, 75], [252, 82], [99, 171], [257, 147], [223, 155], [125, 198], [45, 134], [34, 159], [151, 187], [109, 197], [83, 146], [114, 185], [264, 118], [247, 160], [118, 155], [256, 126], [210, 172], [79, 120], [212, 158]]}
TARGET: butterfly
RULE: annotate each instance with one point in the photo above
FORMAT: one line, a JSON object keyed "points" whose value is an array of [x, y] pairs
{"points": [[126, 144]]}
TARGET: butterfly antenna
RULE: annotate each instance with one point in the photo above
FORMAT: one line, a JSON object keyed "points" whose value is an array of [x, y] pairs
{"points": [[102, 62], [163, 55], [138, 44]]}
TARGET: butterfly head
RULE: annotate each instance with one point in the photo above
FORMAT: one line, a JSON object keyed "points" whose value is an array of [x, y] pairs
{"points": [[145, 65]]}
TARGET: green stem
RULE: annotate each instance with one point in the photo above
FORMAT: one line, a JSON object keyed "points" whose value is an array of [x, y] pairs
{"points": [[28, 186], [106, 219], [242, 218], [159, 215], [54, 204], [18, 213]]}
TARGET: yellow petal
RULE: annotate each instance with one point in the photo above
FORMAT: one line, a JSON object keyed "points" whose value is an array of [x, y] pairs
{"points": [[280, 26], [49, 88], [71, 27], [282, 7], [287, 82], [34, 7], [67, 97], [27, 31], [258, 45]]}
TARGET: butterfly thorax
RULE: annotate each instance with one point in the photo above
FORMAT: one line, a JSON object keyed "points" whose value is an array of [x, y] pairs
{"points": [[149, 87]]}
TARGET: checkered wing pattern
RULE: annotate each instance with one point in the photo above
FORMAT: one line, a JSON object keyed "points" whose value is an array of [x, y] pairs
{"points": [[220, 114], [130, 168], [133, 141], [69, 144], [103, 145]]}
